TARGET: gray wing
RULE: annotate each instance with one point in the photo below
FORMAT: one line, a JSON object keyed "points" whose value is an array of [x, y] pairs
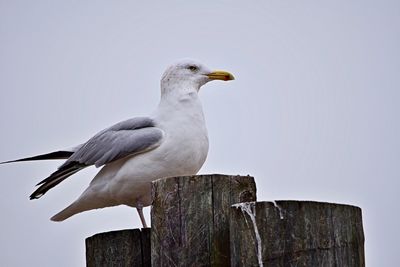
{"points": [[127, 138], [114, 144]]}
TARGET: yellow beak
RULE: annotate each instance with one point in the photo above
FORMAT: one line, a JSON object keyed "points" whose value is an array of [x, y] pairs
{"points": [[220, 75]]}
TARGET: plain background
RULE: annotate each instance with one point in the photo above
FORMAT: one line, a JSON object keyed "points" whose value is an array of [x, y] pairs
{"points": [[313, 113]]}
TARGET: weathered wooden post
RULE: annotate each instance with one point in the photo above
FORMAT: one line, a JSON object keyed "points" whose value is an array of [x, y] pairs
{"points": [[195, 222], [190, 218], [296, 233], [119, 248]]}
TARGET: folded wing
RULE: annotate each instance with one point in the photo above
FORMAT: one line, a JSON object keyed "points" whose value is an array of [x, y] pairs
{"points": [[127, 138]]}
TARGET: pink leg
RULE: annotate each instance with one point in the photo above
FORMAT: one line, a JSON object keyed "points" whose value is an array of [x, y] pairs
{"points": [[139, 208]]}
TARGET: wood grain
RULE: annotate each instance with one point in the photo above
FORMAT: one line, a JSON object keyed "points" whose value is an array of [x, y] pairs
{"points": [[190, 218], [297, 233], [119, 248]]}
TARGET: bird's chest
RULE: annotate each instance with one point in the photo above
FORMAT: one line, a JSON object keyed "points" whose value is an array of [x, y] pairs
{"points": [[186, 143]]}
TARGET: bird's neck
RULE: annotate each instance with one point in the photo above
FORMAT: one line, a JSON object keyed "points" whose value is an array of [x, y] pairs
{"points": [[179, 93], [183, 100]]}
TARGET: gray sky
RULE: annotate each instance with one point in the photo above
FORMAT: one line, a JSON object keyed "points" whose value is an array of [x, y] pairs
{"points": [[313, 113]]}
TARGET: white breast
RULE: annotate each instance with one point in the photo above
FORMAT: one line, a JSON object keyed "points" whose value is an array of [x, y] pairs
{"points": [[186, 138]]}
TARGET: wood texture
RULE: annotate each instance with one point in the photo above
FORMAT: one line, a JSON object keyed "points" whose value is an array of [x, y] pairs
{"points": [[296, 233], [146, 247], [190, 218], [119, 248]]}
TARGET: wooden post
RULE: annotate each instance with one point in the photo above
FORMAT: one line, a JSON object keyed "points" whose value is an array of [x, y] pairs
{"points": [[296, 233], [119, 248], [190, 218]]}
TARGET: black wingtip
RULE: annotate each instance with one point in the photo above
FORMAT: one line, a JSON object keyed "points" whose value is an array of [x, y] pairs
{"points": [[55, 178], [48, 156], [10, 161], [38, 193], [34, 196]]}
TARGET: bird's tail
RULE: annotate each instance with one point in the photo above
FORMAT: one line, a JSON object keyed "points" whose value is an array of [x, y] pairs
{"points": [[67, 212], [84, 203]]}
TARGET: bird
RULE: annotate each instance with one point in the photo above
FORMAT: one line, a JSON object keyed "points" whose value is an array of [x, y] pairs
{"points": [[172, 141]]}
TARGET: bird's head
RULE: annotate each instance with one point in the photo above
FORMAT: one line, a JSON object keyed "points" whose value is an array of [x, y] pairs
{"points": [[190, 73]]}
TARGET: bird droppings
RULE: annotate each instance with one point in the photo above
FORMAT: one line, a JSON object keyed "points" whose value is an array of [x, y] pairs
{"points": [[279, 209], [250, 209]]}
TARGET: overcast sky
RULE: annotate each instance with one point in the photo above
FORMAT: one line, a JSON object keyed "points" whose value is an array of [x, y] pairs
{"points": [[313, 113]]}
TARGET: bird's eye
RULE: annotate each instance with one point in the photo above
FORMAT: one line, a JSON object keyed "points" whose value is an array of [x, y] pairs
{"points": [[192, 68]]}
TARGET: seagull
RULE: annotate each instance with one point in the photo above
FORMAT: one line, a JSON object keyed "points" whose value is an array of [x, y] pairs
{"points": [[173, 141]]}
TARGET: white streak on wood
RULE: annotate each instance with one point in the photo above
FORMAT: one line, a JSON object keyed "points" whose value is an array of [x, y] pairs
{"points": [[250, 209], [279, 209]]}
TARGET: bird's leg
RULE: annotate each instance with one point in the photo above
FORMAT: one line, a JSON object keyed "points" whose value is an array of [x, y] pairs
{"points": [[139, 208]]}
